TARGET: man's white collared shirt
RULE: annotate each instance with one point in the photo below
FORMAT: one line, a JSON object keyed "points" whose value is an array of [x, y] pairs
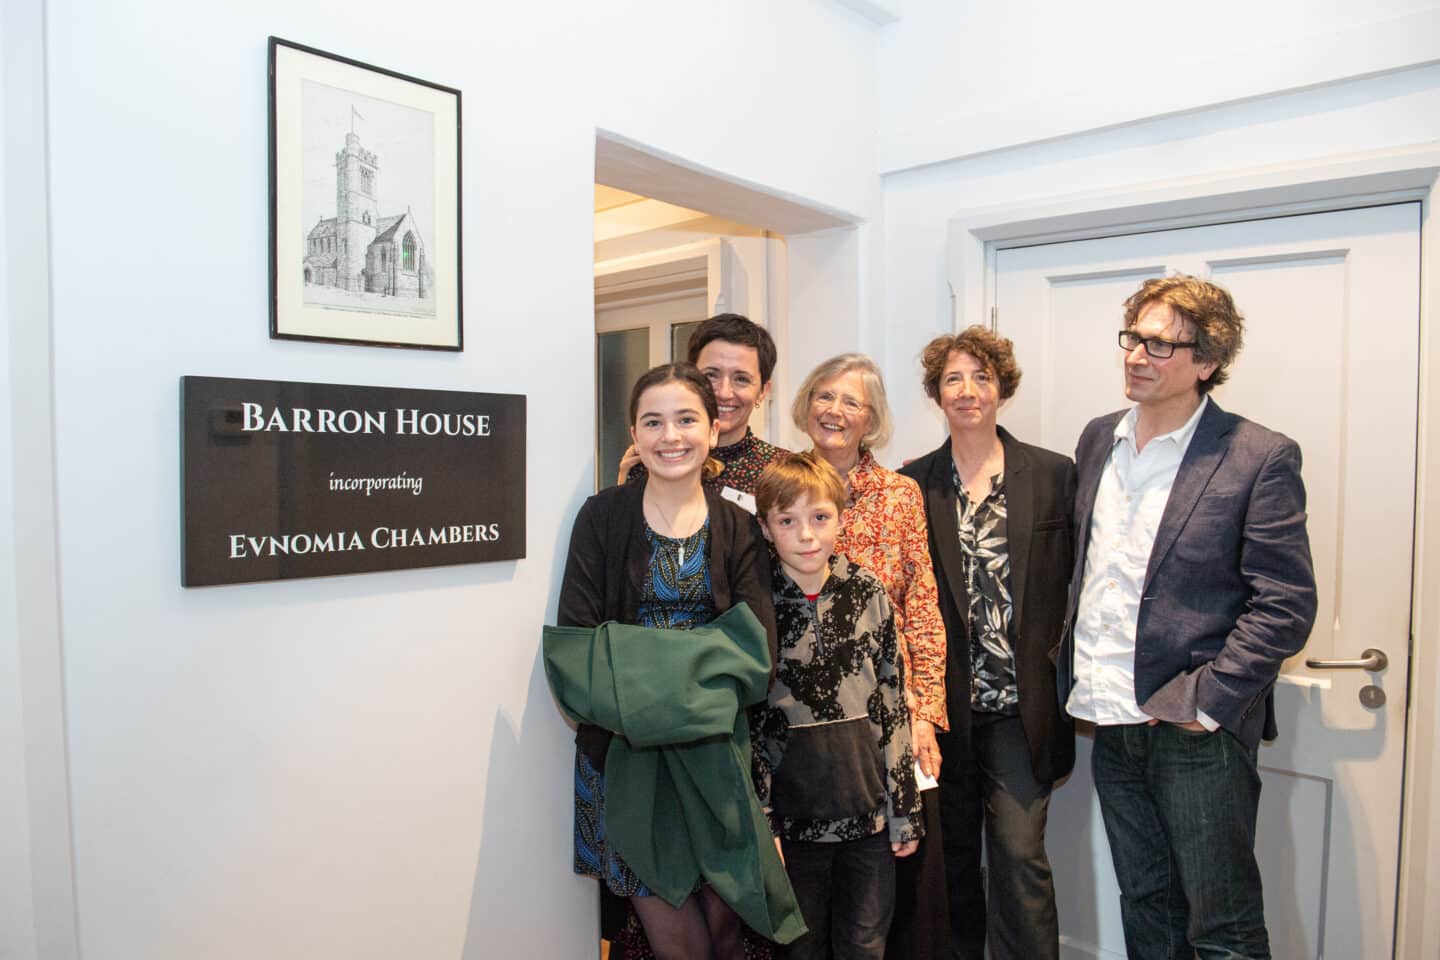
{"points": [[1134, 488]]}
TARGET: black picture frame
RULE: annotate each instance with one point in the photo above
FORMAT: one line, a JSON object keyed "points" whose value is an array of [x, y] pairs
{"points": [[365, 213]]}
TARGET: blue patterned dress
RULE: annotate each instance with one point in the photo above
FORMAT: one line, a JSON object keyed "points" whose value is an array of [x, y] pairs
{"points": [[676, 595]]}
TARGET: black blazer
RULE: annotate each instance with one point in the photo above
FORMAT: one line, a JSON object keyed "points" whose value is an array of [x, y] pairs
{"points": [[1229, 590], [1040, 497], [606, 566]]}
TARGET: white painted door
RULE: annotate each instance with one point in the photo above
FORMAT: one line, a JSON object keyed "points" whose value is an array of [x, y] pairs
{"points": [[1330, 358]]}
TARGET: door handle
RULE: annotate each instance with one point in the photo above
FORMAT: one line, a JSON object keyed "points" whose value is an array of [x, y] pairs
{"points": [[1371, 659]]}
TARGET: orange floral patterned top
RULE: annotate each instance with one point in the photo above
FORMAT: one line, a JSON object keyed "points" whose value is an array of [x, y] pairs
{"points": [[883, 530]]}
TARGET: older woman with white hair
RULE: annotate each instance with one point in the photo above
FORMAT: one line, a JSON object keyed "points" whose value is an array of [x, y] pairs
{"points": [[842, 406]]}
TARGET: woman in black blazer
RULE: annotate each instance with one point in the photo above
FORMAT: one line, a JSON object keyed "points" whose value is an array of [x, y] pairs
{"points": [[998, 512]]}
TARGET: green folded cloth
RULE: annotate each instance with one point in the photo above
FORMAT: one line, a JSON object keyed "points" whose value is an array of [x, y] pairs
{"points": [[679, 805]]}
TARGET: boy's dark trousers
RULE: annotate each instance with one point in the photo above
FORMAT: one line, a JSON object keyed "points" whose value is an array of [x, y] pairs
{"points": [[846, 892]]}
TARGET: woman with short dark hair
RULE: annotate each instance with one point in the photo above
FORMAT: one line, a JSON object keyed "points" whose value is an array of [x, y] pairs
{"points": [[737, 356]]}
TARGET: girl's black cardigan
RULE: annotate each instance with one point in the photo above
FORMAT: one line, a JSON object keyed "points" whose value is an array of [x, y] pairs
{"points": [[606, 567]]}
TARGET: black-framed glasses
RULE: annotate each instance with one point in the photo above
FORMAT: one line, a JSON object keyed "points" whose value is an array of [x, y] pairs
{"points": [[1157, 347]]}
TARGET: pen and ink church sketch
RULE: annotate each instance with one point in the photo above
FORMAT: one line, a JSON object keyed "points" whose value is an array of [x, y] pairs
{"points": [[371, 255]]}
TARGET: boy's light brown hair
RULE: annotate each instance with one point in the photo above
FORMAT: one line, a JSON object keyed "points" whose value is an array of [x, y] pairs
{"points": [[795, 475]]}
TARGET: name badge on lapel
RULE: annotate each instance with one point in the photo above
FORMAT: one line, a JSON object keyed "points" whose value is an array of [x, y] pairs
{"points": [[744, 501]]}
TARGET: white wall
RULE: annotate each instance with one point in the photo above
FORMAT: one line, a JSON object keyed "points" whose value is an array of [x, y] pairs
{"points": [[1286, 130], [957, 79], [778, 94], [363, 766]]}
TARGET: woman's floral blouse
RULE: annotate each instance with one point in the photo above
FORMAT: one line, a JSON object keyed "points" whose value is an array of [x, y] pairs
{"points": [[883, 530]]}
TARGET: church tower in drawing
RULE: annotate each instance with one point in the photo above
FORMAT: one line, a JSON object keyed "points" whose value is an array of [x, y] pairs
{"points": [[356, 170]]}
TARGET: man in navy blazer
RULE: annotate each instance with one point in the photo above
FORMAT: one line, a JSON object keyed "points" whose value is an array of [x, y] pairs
{"points": [[1192, 585]]}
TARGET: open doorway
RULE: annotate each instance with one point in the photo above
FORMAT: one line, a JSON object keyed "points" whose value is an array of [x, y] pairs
{"points": [[674, 245], [660, 269]]}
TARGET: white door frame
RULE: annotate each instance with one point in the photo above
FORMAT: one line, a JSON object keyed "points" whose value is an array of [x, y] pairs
{"points": [[1356, 180]]}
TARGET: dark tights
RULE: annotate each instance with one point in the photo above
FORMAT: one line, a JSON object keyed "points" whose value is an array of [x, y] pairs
{"points": [[702, 928]]}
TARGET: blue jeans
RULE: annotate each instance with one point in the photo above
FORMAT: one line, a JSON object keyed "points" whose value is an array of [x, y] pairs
{"points": [[846, 892], [1179, 809]]}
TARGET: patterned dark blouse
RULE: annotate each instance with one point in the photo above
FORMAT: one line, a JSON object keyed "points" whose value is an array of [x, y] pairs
{"points": [[985, 544], [744, 460], [676, 594]]}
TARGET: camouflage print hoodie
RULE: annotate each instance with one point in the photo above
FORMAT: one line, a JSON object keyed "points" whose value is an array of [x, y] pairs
{"points": [[832, 745]]}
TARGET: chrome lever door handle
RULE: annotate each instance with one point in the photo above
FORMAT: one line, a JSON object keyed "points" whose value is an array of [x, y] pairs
{"points": [[1371, 659]]}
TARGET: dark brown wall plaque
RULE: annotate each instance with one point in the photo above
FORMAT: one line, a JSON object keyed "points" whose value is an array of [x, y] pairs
{"points": [[288, 480]]}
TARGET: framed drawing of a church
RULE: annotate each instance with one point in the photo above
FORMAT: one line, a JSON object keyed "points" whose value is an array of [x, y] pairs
{"points": [[364, 203]]}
